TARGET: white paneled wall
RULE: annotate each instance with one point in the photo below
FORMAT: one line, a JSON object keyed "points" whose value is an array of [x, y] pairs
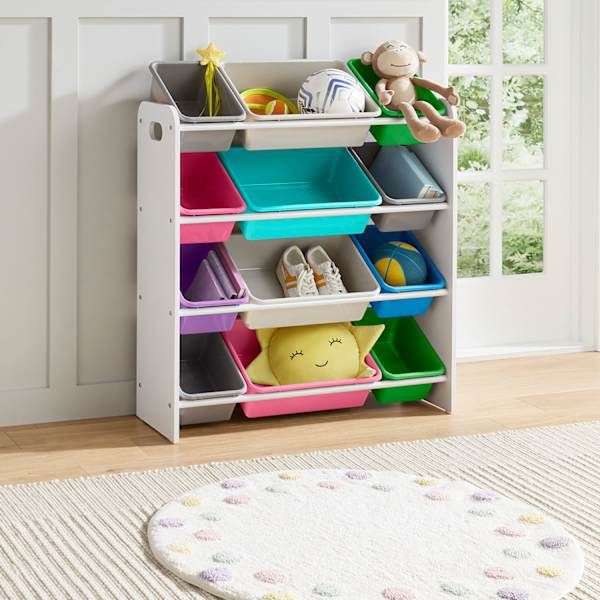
{"points": [[73, 74]]}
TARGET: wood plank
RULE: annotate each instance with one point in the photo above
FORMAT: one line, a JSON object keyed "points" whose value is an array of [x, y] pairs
{"points": [[491, 396]]}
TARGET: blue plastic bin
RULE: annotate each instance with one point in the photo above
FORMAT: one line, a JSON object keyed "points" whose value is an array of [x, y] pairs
{"points": [[366, 243], [300, 179]]}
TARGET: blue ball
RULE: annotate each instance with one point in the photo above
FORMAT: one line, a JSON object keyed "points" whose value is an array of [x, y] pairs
{"points": [[400, 264]]}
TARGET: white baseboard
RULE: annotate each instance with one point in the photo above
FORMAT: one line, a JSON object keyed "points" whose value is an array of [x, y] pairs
{"points": [[519, 351]]}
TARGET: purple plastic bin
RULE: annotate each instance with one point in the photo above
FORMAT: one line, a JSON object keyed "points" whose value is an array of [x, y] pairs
{"points": [[205, 289]]}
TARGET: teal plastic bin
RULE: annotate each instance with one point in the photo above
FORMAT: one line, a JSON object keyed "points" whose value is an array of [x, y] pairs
{"points": [[391, 135], [300, 179], [403, 352]]}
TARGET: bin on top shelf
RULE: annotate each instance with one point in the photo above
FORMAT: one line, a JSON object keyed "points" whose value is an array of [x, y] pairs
{"points": [[295, 130], [257, 261], [401, 178], [207, 370], [182, 85], [244, 348], [367, 243], [403, 352], [204, 283], [303, 179], [391, 135], [206, 189]]}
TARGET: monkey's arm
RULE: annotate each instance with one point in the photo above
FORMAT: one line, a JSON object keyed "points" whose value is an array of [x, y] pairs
{"points": [[447, 92], [384, 95]]}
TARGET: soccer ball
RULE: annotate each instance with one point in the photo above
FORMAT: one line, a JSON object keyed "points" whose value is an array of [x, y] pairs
{"points": [[331, 91]]}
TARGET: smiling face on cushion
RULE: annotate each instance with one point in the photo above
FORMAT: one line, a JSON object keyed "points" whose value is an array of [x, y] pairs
{"points": [[308, 353]]}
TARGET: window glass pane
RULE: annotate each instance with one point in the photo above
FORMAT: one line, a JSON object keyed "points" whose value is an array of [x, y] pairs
{"points": [[523, 227], [469, 32], [524, 31], [474, 147], [523, 122], [473, 229]]}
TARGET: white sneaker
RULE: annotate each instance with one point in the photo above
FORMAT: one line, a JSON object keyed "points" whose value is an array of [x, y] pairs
{"points": [[295, 275], [327, 275]]}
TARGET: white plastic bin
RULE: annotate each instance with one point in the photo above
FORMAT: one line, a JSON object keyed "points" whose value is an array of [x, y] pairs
{"points": [[207, 370], [257, 261], [295, 130], [401, 170]]}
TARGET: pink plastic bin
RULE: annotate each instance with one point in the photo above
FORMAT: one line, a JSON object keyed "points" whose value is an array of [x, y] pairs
{"points": [[244, 347], [206, 189]]}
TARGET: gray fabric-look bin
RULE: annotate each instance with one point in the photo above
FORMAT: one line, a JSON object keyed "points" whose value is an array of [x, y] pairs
{"points": [[392, 181], [182, 85], [207, 370]]}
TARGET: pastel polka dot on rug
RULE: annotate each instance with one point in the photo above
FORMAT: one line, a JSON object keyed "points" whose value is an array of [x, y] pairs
{"points": [[508, 531], [513, 594], [532, 519], [398, 594], [237, 499], [228, 558], [455, 589], [271, 576], [549, 571], [207, 535], [353, 534], [216, 574], [555, 543], [289, 476], [498, 573], [325, 590]]}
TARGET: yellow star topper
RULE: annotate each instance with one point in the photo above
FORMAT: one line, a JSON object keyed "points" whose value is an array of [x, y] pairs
{"points": [[210, 55]]}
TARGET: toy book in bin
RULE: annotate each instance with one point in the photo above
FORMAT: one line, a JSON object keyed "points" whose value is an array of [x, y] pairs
{"points": [[296, 358], [206, 189], [369, 245], [403, 352], [208, 277]]}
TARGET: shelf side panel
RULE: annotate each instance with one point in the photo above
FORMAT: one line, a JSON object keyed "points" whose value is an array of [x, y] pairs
{"points": [[158, 269], [439, 239]]}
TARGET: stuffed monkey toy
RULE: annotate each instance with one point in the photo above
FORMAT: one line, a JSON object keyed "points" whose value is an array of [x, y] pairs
{"points": [[396, 63]]}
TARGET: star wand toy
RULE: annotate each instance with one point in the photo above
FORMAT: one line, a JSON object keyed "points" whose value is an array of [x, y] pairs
{"points": [[211, 58]]}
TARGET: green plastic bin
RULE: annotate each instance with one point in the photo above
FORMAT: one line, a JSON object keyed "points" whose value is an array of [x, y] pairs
{"points": [[403, 352], [391, 135]]}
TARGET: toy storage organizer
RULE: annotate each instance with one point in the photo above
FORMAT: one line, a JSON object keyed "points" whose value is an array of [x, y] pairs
{"points": [[202, 290]]}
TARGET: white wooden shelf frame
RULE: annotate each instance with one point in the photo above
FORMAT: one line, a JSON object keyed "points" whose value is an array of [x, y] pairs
{"points": [[157, 397]]}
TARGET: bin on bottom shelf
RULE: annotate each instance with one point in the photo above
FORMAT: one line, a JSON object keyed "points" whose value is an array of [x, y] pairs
{"points": [[201, 285], [367, 243], [207, 370], [244, 348], [300, 179], [403, 352], [206, 189]]}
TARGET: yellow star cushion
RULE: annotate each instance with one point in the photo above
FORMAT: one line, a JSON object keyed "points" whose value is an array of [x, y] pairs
{"points": [[329, 352]]}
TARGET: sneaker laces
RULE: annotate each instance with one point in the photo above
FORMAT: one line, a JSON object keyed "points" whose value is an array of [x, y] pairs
{"points": [[335, 278], [306, 283]]}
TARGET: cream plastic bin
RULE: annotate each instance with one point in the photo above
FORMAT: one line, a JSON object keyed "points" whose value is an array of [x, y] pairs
{"points": [[396, 175], [295, 130], [257, 261]]}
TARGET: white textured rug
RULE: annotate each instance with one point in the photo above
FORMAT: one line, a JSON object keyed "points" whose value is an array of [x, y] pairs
{"points": [[358, 534], [86, 538]]}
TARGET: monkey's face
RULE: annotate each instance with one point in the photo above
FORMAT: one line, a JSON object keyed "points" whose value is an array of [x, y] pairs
{"points": [[396, 59]]}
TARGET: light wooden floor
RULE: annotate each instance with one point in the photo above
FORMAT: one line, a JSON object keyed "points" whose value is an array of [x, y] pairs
{"points": [[491, 396]]}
